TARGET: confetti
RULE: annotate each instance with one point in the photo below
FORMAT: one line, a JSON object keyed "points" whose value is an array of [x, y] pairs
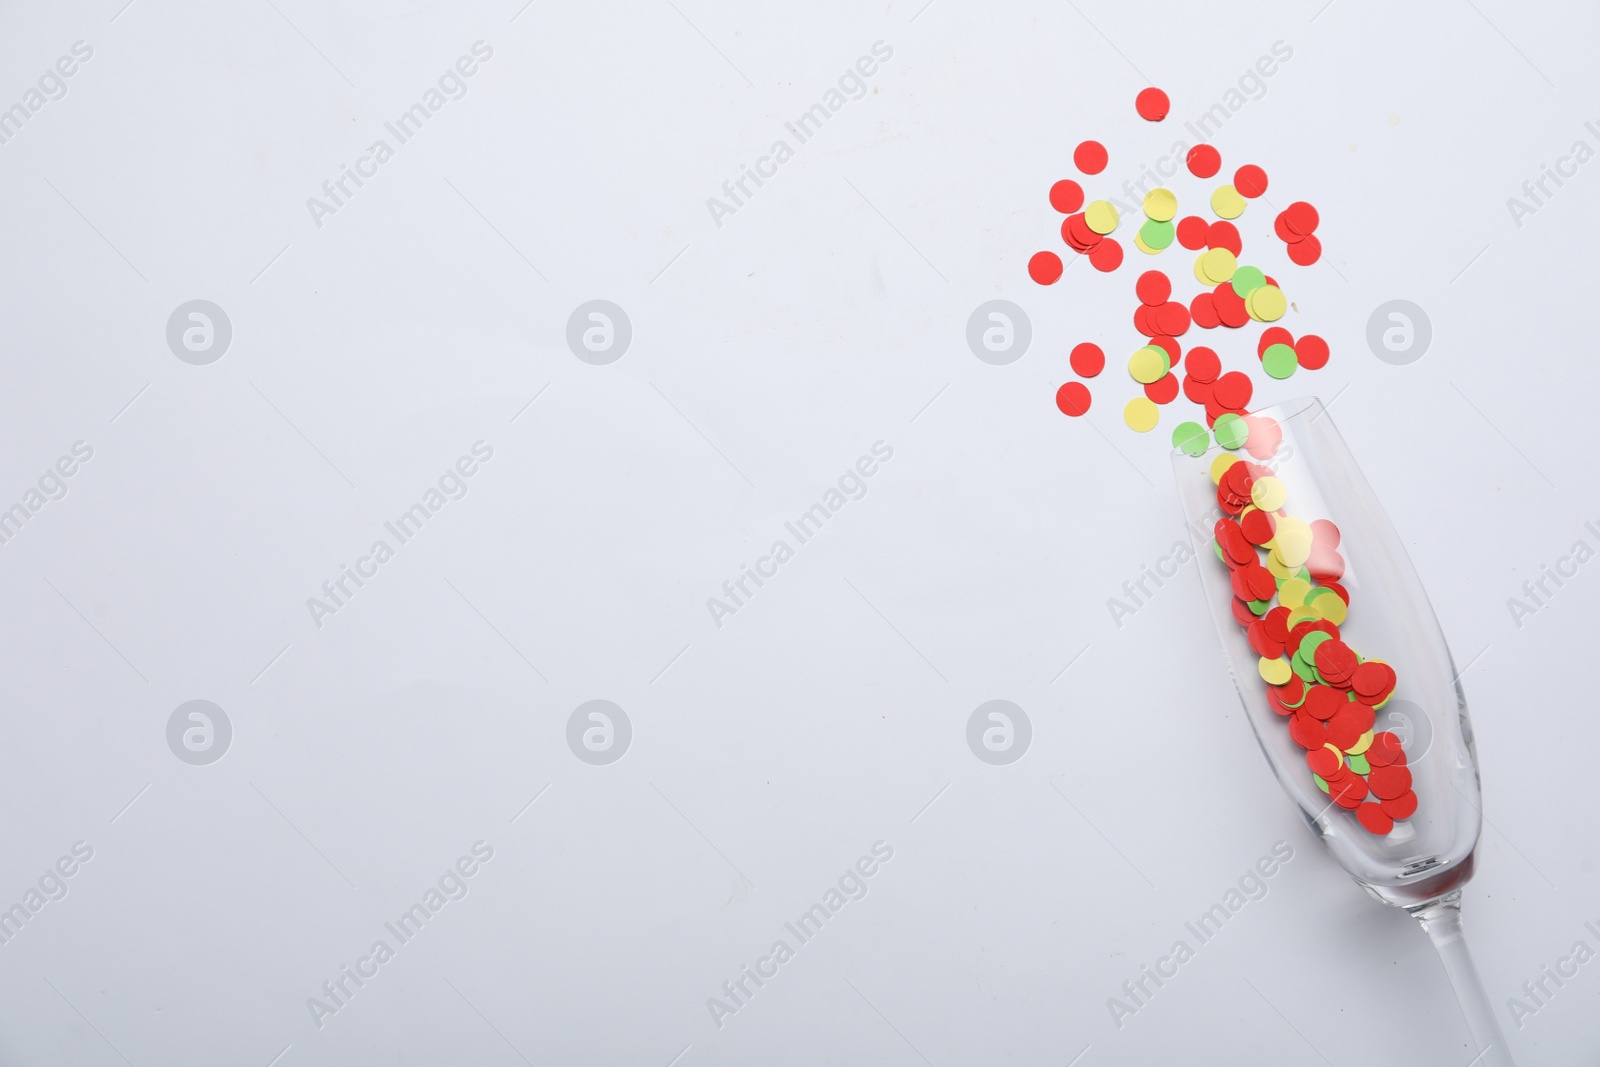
{"points": [[1192, 438], [1073, 399], [1066, 196], [1204, 161], [1279, 361], [1163, 390], [1141, 414], [1101, 217], [1250, 180], [1161, 205], [1148, 364], [1090, 157], [1311, 352], [1087, 360], [1152, 104], [1045, 268], [1226, 203], [1107, 256], [1153, 288]]}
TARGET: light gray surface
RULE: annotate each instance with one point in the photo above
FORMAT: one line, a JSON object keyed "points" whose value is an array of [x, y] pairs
{"points": [[767, 355]]}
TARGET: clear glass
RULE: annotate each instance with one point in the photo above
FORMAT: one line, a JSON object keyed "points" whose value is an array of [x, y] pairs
{"points": [[1422, 863]]}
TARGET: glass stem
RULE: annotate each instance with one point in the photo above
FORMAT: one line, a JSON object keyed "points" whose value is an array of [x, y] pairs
{"points": [[1441, 919]]}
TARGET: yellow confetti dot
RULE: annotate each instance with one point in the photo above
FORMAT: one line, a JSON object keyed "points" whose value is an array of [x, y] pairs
{"points": [[1292, 541], [1278, 568], [1149, 364], [1267, 303], [1330, 607], [1292, 592], [1161, 205], [1302, 614], [1269, 493], [1363, 743], [1215, 267], [1227, 202], [1141, 414], [1220, 465], [1138, 242], [1274, 671], [1100, 217]]}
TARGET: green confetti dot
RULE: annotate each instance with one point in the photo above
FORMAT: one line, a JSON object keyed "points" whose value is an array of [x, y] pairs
{"points": [[1231, 431], [1157, 235], [1279, 361], [1322, 783], [1307, 673], [1247, 280], [1192, 438], [1359, 764], [1309, 643], [1217, 548], [1260, 607]]}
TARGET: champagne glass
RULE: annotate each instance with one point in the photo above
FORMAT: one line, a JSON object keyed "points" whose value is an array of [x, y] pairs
{"points": [[1303, 478]]}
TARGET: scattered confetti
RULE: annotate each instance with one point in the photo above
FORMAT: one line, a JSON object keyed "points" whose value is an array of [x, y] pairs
{"points": [[1204, 161], [1045, 268], [1087, 360], [1152, 104], [1073, 398], [1090, 157], [1141, 414]]}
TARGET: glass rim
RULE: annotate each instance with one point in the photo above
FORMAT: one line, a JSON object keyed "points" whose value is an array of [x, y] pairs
{"points": [[1300, 405]]}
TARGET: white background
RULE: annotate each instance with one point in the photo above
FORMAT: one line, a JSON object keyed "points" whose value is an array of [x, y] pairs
{"points": [[767, 355]]}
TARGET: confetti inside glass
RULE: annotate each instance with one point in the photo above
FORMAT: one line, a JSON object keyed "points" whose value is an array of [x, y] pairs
{"points": [[1343, 671]]}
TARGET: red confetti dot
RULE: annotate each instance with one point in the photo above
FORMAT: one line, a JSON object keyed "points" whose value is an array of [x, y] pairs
{"points": [[1087, 360], [1204, 161], [1172, 318], [1107, 255], [1044, 268], [1301, 218], [1258, 527], [1305, 252], [1163, 390], [1324, 532], [1324, 762], [1224, 234], [1230, 306], [1066, 196], [1233, 391], [1203, 310], [1389, 783], [1250, 180], [1323, 702], [1154, 288], [1204, 365], [1311, 352], [1373, 817], [1273, 335], [1075, 231], [1152, 104], [1170, 347], [1384, 750], [1144, 320], [1195, 389], [1090, 157], [1402, 807], [1280, 226], [1073, 399], [1192, 232]]}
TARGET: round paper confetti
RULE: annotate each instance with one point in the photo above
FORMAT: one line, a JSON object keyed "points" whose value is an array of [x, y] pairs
{"points": [[1154, 236], [1161, 205], [1230, 430], [1204, 161], [1305, 252], [1269, 494], [1203, 364], [1247, 280], [1273, 335], [1107, 256], [1141, 414], [1301, 218], [1312, 352], [1090, 157], [1224, 234], [1148, 364], [1045, 268], [1192, 230], [1233, 391], [1192, 438], [1274, 671], [1226, 203], [1163, 390], [1066, 196], [1087, 360], [1268, 303], [1153, 288], [1073, 398], [1101, 217], [1250, 180], [1279, 361], [1152, 104]]}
